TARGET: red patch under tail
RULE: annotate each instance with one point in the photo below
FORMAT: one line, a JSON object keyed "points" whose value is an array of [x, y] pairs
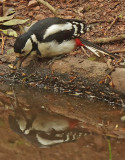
{"points": [[78, 42]]}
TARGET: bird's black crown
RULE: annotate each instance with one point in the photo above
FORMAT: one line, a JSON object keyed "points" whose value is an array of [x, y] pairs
{"points": [[20, 42]]}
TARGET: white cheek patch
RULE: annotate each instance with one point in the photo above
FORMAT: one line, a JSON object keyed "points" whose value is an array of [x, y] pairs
{"points": [[28, 46], [22, 124], [57, 28]]}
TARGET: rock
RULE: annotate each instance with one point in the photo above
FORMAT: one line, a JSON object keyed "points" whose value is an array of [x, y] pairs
{"points": [[37, 8], [123, 118], [86, 68], [32, 3], [39, 17], [118, 78], [31, 13]]}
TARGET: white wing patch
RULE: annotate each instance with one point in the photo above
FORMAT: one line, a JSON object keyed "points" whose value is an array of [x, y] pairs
{"points": [[46, 142], [82, 27], [75, 22], [75, 30], [57, 28]]}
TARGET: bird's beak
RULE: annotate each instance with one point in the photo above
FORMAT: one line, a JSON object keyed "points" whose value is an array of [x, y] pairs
{"points": [[19, 59], [18, 62], [14, 64]]}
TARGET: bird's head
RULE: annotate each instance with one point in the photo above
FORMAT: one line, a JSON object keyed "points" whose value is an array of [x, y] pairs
{"points": [[22, 48], [23, 45]]}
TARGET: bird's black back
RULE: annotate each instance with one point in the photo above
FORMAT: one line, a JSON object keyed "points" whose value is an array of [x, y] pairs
{"points": [[40, 27]]}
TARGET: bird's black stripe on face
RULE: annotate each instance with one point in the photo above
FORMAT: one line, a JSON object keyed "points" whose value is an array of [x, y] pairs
{"points": [[35, 47]]}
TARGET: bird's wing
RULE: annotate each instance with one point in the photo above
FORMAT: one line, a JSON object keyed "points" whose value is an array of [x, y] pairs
{"points": [[57, 29]]}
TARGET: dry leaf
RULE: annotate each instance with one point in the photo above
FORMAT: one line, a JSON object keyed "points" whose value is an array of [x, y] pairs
{"points": [[9, 32], [5, 18], [14, 22]]}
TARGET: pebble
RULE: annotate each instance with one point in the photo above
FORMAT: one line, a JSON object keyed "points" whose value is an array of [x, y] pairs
{"points": [[37, 8], [32, 3], [31, 13], [39, 17], [123, 118]]}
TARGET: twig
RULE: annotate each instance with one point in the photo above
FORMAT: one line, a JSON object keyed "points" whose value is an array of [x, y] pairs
{"points": [[109, 61], [2, 44], [15, 99], [109, 39], [118, 51], [110, 26], [52, 9]]}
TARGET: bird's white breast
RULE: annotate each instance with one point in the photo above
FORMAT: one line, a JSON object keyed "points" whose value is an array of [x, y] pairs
{"points": [[50, 49]]}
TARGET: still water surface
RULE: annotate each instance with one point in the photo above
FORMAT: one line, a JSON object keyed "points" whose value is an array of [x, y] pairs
{"points": [[37, 124]]}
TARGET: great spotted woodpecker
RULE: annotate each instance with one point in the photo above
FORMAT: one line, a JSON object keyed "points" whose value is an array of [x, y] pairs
{"points": [[53, 37], [45, 129]]}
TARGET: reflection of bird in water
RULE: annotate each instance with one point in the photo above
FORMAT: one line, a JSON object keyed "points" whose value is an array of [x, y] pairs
{"points": [[45, 128]]}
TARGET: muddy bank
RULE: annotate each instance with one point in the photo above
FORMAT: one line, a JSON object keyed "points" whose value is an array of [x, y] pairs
{"points": [[72, 74]]}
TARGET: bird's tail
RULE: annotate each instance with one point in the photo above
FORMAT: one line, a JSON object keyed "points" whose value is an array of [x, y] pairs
{"points": [[95, 48]]}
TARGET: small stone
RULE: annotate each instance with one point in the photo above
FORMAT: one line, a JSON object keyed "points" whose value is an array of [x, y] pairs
{"points": [[32, 3], [31, 13], [123, 118], [37, 8], [39, 17]]}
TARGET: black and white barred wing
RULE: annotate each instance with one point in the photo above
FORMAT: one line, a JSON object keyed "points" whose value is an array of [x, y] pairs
{"points": [[66, 31]]}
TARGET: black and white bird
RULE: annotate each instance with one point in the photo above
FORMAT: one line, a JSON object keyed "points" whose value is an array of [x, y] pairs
{"points": [[45, 129], [53, 37]]}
